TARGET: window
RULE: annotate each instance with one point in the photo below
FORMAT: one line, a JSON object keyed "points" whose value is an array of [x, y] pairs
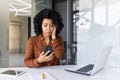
{"points": [[98, 25]]}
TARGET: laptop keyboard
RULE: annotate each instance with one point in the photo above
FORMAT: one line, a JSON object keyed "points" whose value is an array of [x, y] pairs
{"points": [[86, 68]]}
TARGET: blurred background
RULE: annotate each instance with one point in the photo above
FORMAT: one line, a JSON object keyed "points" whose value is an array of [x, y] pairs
{"points": [[89, 26]]}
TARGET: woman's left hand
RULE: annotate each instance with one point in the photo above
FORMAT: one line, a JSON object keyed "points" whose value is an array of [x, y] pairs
{"points": [[54, 32]]}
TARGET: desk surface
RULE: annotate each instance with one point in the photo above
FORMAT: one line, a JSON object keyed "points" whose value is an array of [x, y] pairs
{"points": [[59, 73]]}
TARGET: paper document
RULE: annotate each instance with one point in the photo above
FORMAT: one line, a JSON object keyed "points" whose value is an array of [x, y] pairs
{"points": [[47, 76]]}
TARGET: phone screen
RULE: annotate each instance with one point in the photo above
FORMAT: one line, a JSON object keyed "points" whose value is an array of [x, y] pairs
{"points": [[48, 48]]}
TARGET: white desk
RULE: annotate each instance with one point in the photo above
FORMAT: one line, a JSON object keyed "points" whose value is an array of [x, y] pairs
{"points": [[59, 73]]}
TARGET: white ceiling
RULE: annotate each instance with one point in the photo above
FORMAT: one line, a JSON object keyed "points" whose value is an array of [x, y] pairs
{"points": [[20, 7]]}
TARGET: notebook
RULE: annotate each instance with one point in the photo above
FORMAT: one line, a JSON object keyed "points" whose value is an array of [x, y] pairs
{"points": [[91, 69], [37, 76]]}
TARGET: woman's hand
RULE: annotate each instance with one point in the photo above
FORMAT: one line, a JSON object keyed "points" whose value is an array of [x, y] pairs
{"points": [[54, 32], [44, 58]]}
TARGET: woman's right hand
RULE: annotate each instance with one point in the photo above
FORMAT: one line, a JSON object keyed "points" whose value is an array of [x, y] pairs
{"points": [[44, 58]]}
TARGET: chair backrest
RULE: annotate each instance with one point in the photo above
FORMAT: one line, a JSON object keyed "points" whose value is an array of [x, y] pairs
{"points": [[63, 60]]}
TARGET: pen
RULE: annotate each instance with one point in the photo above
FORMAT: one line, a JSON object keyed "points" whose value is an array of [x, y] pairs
{"points": [[42, 76]]}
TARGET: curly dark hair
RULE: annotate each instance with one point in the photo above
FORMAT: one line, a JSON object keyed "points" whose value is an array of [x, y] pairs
{"points": [[50, 14]]}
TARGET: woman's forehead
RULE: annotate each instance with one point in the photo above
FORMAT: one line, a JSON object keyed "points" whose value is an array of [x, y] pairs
{"points": [[47, 20]]}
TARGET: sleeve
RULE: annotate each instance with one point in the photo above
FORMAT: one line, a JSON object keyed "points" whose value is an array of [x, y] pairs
{"points": [[58, 47], [29, 59]]}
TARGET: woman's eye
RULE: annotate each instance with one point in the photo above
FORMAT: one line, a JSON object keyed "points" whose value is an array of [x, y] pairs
{"points": [[45, 25], [51, 25]]}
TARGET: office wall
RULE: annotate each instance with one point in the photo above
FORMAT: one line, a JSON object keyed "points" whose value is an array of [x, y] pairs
{"points": [[17, 40], [4, 45], [61, 7]]}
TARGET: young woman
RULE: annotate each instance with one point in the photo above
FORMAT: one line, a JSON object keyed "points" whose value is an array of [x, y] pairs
{"points": [[47, 26]]}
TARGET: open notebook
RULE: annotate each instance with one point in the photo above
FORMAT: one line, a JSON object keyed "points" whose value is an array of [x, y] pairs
{"points": [[36, 76]]}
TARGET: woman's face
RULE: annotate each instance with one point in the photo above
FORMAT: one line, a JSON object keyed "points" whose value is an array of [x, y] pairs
{"points": [[47, 27]]}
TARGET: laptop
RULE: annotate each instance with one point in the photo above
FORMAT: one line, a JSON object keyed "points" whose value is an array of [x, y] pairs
{"points": [[91, 69]]}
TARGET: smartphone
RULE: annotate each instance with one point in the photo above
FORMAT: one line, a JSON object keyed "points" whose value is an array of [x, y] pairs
{"points": [[48, 48]]}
